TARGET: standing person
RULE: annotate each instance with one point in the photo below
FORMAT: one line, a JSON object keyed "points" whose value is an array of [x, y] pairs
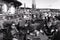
{"points": [[4, 8], [11, 9], [14, 32], [57, 35]]}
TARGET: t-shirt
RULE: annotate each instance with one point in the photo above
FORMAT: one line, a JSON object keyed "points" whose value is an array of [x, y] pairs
{"points": [[11, 10], [4, 8]]}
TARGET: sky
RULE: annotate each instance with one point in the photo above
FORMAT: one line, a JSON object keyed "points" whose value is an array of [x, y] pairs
{"points": [[42, 3]]}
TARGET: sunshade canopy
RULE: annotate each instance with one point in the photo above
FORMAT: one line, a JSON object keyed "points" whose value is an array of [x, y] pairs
{"points": [[15, 2]]}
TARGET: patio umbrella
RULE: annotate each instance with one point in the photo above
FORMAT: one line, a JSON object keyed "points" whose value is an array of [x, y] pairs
{"points": [[15, 2]]}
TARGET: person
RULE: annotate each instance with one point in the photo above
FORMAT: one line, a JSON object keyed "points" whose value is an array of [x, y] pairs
{"points": [[11, 9], [14, 31], [57, 34], [4, 8]]}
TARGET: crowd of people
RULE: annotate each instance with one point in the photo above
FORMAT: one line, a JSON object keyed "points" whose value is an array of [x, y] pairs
{"points": [[29, 25], [23, 29]]}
